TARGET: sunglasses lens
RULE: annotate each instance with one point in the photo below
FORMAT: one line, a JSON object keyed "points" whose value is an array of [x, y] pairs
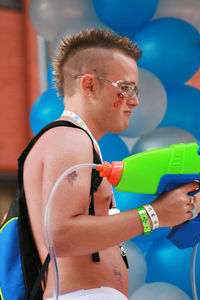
{"points": [[128, 90]]}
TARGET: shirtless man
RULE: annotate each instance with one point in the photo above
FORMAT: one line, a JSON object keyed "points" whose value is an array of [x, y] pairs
{"points": [[87, 66]]}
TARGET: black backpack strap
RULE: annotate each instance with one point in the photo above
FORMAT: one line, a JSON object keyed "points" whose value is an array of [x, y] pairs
{"points": [[95, 256], [24, 154], [40, 277], [36, 291]]}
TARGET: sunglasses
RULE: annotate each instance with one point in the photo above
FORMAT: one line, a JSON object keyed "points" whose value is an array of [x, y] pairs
{"points": [[127, 89]]}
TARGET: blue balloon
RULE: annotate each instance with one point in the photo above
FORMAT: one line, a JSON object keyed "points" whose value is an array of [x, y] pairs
{"points": [[126, 201], [125, 15], [47, 108], [113, 148], [170, 50], [183, 109], [144, 247], [155, 236], [167, 263]]}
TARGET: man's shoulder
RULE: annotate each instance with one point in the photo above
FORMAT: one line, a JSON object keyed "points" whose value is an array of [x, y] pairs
{"points": [[66, 135], [65, 140], [59, 141]]}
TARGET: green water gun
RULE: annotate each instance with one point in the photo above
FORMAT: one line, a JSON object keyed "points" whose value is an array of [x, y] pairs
{"points": [[154, 171], [157, 171]]}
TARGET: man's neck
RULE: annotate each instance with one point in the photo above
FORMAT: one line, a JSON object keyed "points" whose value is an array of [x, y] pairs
{"points": [[87, 118]]}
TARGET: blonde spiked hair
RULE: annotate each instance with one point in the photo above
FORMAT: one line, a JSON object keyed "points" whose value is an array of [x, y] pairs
{"points": [[74, 55]]}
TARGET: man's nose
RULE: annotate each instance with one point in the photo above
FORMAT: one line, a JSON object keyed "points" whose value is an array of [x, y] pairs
{"points": [[133, 101]]}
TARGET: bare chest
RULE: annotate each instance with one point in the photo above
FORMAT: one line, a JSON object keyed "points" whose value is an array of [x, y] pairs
{"points": [[103, 198]]}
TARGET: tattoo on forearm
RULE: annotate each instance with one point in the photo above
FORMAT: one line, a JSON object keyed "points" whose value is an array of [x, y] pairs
{"points": [[71, 177], [117, 274]]}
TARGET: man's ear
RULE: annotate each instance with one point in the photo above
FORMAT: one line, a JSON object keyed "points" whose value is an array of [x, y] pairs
{"points": [[87, 85]]}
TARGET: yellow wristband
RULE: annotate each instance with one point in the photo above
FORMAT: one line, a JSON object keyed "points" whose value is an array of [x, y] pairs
{"points": [[145, 220]]}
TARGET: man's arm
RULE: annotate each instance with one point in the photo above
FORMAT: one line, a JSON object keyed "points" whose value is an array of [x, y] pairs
{"points": [[74, 231]]}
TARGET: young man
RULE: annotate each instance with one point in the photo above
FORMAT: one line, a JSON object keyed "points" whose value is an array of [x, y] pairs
{"points": [[97, 74]]}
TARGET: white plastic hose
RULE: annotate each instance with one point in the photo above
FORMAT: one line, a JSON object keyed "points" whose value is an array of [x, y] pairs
{"points": [[193, 271], [49, 239], [47, 225]]}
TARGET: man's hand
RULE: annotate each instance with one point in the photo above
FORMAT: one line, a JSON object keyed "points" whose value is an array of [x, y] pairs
{"points": [[174, 207]]}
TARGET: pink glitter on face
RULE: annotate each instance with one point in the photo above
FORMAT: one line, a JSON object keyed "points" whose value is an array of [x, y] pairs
{"points": [[119, 101]]}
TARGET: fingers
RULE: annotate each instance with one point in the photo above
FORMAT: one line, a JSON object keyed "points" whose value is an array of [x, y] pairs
{"points": [[198, 181], [192, 199], [190, 207], [190, 203], [190, 187], [189, 215], [177, 206]]}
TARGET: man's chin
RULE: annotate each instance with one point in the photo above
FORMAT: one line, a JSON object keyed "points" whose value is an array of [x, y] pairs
{"points": [[121, 129], [125, 126]]}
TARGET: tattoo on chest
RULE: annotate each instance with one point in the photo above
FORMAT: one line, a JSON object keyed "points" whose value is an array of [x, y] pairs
{"points": [[71, 177], [117, 274]]}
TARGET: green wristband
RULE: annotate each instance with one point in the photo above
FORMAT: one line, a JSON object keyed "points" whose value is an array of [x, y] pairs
{"points": [[145, 220]]}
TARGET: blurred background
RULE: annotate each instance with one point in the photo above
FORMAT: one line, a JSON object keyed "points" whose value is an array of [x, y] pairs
{"points": [[169, 83]]}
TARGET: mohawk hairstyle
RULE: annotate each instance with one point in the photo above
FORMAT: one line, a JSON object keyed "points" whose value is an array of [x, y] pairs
{"points": [[91, 38]]}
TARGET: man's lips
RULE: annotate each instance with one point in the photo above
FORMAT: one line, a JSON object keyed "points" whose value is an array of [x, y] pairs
{"points": [[128, 113]]}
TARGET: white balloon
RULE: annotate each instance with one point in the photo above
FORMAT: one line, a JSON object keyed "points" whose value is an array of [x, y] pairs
{"points": [[76, 27], [137, 266], [187, 10], [162, 137], [150, 112], [50, 17], [160, 291]]}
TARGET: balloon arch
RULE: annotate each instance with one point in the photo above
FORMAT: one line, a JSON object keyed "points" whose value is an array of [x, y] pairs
{"points": [[168, 33]]}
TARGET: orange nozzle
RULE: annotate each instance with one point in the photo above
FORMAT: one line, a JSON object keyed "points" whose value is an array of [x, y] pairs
{"points": [[111, 171]]}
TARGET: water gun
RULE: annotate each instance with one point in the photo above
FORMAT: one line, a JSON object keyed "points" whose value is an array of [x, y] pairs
{"points": [[157, 171]]}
